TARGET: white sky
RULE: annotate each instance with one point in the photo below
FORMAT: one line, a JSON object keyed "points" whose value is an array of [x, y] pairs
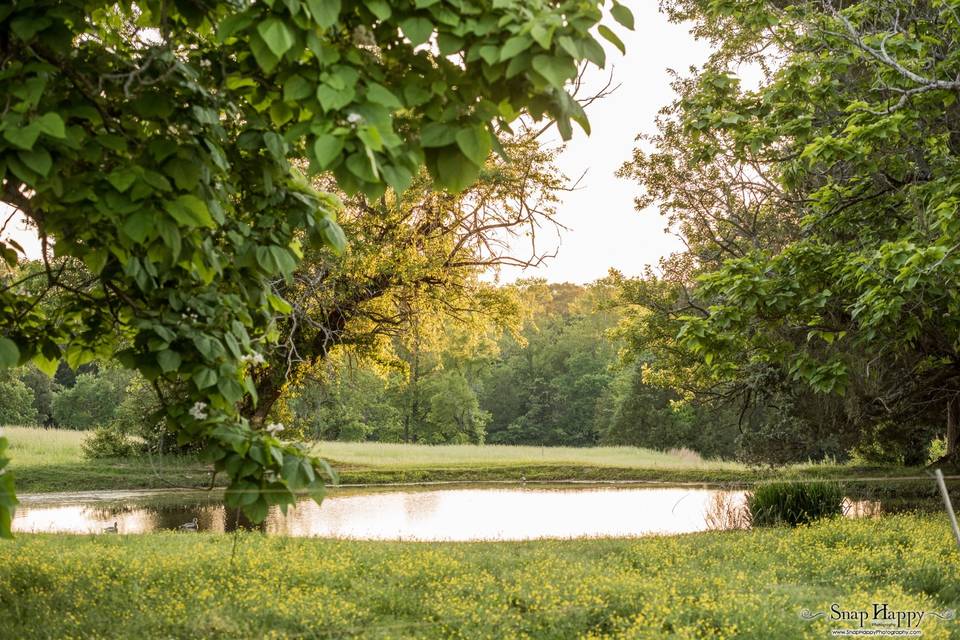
{"points": [[604, 230]]}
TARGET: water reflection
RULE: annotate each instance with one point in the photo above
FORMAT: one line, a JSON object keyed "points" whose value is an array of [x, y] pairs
{"points": [[440, 514]]}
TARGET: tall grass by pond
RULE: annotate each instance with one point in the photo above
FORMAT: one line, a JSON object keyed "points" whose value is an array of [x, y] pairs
{"points": [[33, 446], [713, 585], [794, 503], [412, 455]]}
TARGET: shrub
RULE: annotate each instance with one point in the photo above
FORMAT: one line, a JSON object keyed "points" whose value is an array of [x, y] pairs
{"points": [[794, 503], [108, 442], [16, 401]]}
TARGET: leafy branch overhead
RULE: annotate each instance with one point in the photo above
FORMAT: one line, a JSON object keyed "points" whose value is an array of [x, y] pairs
{"points": [[161, 146]]}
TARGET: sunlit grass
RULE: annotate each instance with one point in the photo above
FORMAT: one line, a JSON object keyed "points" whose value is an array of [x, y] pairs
{"points": [[404, 455], [36, 446]]}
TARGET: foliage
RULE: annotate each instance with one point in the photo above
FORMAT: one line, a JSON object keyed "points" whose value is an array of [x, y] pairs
{"points": [[16, 401], [794, 503], [820, 208], [348, 403], [748, 585], [151, 144], [108, 442], [44, 389], [92, 401], [415, 264], [546, 386]]}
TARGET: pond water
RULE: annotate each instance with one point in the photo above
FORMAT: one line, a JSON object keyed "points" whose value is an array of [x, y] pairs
{"points": [[462, 513]]}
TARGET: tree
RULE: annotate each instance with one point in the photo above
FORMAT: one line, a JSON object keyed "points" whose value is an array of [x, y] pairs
{"points": [[152, 144], [16, 405], [43, 388], [346, 401], [841, 180], [546, 387], [92, 401], [415, 260]]}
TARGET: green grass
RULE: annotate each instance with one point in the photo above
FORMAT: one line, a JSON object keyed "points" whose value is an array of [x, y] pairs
{"points": [[37, 447], [46, 460], [712, 585], [419, 455]]}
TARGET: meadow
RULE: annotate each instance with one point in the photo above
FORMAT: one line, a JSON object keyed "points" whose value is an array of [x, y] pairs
{"points": [[46, 460], [711, 585]]}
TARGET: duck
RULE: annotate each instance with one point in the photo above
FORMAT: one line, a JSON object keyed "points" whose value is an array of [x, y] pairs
{"points": [[111, 529], [189, 526]]}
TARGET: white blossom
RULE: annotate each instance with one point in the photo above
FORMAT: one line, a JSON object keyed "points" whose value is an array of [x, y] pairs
{"points": [[353, 117], [255, 358], [274, 428], [198, 411]]}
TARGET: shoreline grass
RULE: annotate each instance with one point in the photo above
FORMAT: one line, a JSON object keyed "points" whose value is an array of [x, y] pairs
{"points": [[50, 460], [708, 585]]}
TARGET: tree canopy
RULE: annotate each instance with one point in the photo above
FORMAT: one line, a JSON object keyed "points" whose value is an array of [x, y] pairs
{"points": [[159, 148], [820, 209]]}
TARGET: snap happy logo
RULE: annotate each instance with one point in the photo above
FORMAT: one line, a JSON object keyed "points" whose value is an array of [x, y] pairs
{"points": [[880, 619]]}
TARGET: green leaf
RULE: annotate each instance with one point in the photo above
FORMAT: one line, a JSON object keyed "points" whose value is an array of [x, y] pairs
{"points": [[232, 24], [611, 37], [334, 236], [417, 30], [324, 12], [52, 125], [449, 43], [622, 15], [454, 170], [48, 366], [37, 159], [230, 389], [438, 134], [279, 305], [475, 143], [515, 45], [168, 360], [257, 510], [399, 178], [205, 378], [297, 88], [190, 211], [122, 178], [264, 56], [277, 35], [185, 173], [379, 8], [556, 70], [23, 137], [139, 226], [379, 94], [326, 149], [9, 353]]}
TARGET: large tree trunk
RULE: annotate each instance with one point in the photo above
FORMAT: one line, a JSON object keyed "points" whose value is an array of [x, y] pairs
{"points": [[953, 425]]}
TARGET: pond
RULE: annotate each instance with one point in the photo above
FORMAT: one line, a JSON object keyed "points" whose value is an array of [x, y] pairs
{"points": [[458, 513]]}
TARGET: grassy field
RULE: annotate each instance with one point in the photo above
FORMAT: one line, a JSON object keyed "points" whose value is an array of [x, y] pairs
{"points": [[711, 585], [51, 460], [419, 455]]}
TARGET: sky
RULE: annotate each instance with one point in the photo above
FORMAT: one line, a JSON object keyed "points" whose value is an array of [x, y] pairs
{"points": [[603, 229]]}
